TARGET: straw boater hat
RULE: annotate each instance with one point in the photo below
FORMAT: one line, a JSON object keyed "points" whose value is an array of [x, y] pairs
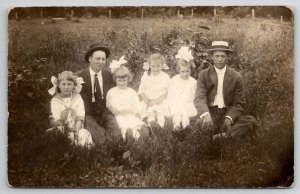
{"points": [[96, 47], [220, 46]]}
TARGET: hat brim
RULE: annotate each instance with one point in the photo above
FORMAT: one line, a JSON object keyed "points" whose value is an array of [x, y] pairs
{"points": [[220, 49], [99, 48]]}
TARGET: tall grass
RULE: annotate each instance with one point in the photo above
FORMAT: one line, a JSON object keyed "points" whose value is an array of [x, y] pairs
{"points": [[263, 56]]}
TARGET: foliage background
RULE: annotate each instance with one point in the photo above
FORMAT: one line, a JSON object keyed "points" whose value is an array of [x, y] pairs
{"points": [[40, 48]]}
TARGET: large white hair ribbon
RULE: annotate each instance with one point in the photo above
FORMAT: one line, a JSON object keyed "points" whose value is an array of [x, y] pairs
{"points": [[78, 87], [52, 90], [114, 65], [184, 53], [54, 82]]}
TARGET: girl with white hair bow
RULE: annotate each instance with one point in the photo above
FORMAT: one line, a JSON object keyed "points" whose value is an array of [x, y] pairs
{"points": [[182, 91], [67, 109], [153, 90], [124, 103]]}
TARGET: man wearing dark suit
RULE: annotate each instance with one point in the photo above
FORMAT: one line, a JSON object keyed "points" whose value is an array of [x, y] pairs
{"points": [[219, 97], [98, 120]]}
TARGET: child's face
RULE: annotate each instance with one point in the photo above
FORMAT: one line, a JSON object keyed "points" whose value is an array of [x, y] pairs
{"points": [[185, 72], [156, 66], [66, 87], [122, 82]]}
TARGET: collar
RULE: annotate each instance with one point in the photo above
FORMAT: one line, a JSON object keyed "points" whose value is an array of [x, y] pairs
{"points": [[59, 99], [92, 73], [220, 71]]}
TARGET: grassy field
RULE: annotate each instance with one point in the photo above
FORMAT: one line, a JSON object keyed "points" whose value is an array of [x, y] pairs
{"points": [[263, 54]]}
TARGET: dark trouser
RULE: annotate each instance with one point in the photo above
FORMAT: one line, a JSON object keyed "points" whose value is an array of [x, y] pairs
{"points": [[243, 125], [103, 126]]}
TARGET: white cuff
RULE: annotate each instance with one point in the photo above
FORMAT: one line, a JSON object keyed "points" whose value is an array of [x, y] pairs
{"points": [[229, 118], [203, 114]]}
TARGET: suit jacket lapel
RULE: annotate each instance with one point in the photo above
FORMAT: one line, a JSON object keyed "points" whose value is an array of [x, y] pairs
{"points": [[213, 77], [226, 82], [88, 82], [104, 81]]}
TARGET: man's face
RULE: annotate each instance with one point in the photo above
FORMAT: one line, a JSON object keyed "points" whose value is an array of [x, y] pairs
{"points": [[219, 58], [97, 61]]}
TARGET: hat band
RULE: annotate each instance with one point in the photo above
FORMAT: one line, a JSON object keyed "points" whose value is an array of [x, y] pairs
{"points": [[220, 47]]}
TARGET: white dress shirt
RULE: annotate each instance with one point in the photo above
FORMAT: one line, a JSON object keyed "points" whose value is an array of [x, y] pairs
{"points": [[99, 75], [219, 98]]}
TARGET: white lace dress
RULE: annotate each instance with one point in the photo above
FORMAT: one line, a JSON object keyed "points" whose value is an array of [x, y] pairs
{"points": [[125, 100]]}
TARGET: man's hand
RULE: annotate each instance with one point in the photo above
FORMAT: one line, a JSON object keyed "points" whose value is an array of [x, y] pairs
{"points": [[226, 125], [207, 122]]}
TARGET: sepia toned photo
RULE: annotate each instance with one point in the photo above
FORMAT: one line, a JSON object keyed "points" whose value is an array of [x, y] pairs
{"points": [[151, 97]]}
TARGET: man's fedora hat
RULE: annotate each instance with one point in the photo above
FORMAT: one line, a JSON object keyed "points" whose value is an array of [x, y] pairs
{"points": [[96, 47], [220, 46]]}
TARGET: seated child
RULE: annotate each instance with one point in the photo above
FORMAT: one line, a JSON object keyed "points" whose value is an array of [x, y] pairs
{"points": [[182, 91], [153, 90], [124, 103], [67, 108]]}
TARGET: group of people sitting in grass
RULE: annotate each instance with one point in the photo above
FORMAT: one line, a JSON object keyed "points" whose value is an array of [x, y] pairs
{"points": [[94, 104]]}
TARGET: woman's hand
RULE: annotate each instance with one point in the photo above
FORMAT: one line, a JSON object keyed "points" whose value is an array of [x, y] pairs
{"points": [[61, 128], [58, 123]]}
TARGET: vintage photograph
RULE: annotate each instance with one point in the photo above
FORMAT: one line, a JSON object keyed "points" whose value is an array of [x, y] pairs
{"points": [[151, 97]]}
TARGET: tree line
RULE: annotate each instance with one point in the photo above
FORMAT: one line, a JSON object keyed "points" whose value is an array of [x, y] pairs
{"points": [[148, 12]]}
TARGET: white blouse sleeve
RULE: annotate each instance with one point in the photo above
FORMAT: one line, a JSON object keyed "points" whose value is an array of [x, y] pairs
{"points": [[109, 100], [193, 90], [55, 110], [171, 94], [142, 87], [136, 103], [170, 91], [168, 80]]}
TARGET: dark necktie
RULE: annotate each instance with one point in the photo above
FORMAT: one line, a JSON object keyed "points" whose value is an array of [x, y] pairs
{"points": [[97, 90]]}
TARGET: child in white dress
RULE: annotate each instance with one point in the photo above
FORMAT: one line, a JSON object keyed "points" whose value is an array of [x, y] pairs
{"points": [[67, 109], [124, 102], [153, 90], [182, 91]]}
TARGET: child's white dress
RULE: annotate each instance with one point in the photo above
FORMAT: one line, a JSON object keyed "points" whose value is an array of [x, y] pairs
{"points": [[125, 99], [69, 110], [154, 86], [181, 100]]}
